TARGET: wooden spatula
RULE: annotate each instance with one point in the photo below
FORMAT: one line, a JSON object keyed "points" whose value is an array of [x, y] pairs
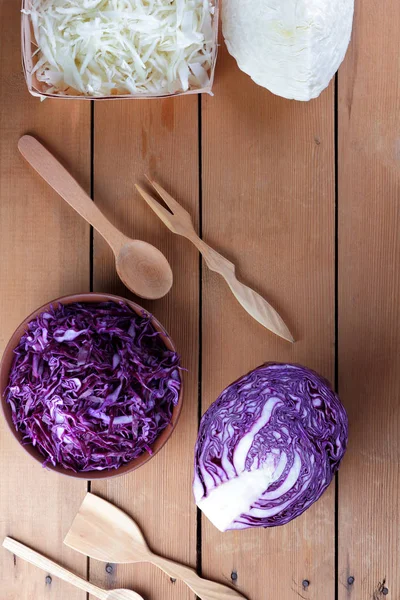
{"points": [[104, 532], [53, 568]]}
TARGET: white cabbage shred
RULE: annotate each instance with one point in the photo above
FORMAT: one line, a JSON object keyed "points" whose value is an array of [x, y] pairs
{"points": [[116, 47]]}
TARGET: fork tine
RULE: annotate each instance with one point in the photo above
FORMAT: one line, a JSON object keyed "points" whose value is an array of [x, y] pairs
{"points": [[162, 212], [168, 199]]}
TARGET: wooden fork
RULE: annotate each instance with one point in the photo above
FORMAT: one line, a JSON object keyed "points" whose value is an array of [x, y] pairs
{"points": [[180, 222]]}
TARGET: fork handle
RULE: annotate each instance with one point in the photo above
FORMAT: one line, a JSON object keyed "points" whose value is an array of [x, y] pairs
{"points": [[52, 568], [203, 588], [250, 300], [214, 260]]}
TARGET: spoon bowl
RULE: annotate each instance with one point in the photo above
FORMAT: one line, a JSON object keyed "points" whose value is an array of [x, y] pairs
{"points": [[121, 594], [143, 268]]}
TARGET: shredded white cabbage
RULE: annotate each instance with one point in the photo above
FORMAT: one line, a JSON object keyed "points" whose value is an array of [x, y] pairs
{"points": [[113, 47]]}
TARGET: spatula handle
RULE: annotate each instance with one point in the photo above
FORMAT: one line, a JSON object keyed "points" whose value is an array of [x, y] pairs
{"points": [[203, 588], [52, 568]]}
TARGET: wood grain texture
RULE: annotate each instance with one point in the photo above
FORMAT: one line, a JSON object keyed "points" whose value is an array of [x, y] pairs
{"points": [[44, 250], [268, 189], [159, 138], [369, 316]]}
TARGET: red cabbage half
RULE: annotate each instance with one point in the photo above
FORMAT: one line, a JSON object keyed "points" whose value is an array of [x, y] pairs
{"points": [[268, 447], [92, 385]]}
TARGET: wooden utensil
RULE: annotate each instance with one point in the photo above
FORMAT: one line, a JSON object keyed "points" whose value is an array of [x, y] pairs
{"points": [[104, 532], [180, 222], [141, 266], [53, 568]]}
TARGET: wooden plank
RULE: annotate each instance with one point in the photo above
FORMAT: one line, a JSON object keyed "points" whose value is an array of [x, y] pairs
{"points": [[369, 290], [268, 205], [160, 138], [45, 254]]}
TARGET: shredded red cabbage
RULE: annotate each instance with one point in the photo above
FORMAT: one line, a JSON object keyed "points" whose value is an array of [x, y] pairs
{"points": [[92, 385]]}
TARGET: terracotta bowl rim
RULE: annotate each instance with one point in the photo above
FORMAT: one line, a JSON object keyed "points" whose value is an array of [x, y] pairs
{"points": [[6, 364]]}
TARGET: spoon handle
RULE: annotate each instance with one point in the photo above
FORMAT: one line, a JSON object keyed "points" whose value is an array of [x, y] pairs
{"points": [[65, 185], [203, 588], [52, 568]]}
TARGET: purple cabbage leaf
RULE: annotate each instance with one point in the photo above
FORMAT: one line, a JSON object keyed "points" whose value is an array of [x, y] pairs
{"points": [[268, 447]]}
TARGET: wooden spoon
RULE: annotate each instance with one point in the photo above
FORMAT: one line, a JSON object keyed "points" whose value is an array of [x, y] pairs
{"points": [[53, 568], [141, 267], [104, 532]]}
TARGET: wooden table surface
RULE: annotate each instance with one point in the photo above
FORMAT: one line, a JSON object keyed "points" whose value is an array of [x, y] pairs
{"points": [[304, 197]]}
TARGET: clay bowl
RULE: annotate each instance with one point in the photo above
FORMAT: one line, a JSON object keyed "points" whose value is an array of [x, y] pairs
{"points": [[6, 364]]}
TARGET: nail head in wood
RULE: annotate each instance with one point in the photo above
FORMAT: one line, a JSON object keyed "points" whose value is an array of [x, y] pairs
{"points": [[385, 591], [350, 580], [234, 576], [109, 568], [48, 580], [305, 583]]}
